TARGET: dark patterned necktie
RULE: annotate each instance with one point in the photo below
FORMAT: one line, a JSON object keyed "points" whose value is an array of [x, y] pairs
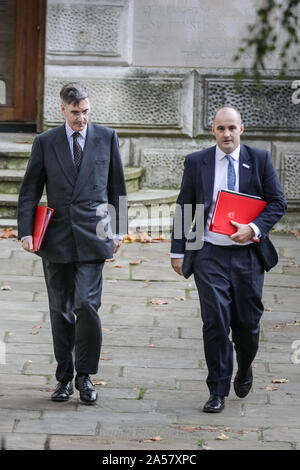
{"points": [[231, 177], [77, 150]]}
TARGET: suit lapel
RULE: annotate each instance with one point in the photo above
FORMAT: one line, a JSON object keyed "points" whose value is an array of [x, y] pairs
{"points": [[245, 170], [208, 176], [64, 156], [88, 159]]}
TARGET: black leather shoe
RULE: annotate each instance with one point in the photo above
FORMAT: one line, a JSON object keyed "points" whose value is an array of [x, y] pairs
{"points": [[243, 382], [215, 404], [87, 391], [63, 391]]}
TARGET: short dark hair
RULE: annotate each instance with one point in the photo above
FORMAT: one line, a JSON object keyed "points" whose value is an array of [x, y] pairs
{"points": [[73, 93]]}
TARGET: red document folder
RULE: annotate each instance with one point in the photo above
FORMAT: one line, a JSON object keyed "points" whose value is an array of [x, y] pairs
{"points": [[42, 218], [239, 207]]}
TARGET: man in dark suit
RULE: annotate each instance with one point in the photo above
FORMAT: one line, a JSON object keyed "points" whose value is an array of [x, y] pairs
{"points": [[81, 167], [228, 271]]}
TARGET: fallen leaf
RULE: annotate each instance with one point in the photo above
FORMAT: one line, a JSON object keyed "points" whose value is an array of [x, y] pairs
{"points": [[36, 326], [118, 266], [295, 323], [207, 448], [161, 237], [33, 332], [105, 329], [279, 325], [100, 382], [189, 428], [279, 381], [158, 302], [143, 238], [105, 358], [222, 437], [29, 361], [23, 141], [296, 233], [5, 288], [291, 264], [151, 439], [129, 238], [151, 346], [8, 233], [268, 309], [270, 388], [179, 298], [138, 261]]}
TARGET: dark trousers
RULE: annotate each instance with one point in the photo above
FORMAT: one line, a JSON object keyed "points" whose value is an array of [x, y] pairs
{"points": [[229, 280], [74, 293]]}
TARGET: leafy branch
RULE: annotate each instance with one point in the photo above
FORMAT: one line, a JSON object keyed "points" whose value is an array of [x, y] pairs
{"points": [[274, 21]]}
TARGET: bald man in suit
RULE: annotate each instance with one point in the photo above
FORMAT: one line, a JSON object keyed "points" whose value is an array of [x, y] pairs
{"points": [[229, 271]]}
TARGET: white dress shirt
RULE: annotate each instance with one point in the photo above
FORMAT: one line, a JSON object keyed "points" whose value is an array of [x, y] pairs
{"points": [[80, 139], [221, 165]]}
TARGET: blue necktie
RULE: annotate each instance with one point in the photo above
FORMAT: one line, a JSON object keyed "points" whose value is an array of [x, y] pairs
{"points": [[231, 177]]}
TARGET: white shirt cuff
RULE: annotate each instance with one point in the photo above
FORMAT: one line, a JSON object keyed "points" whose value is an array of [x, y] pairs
{"points": [[176, 255], [118, 237], [27, 236], [257, 232]]}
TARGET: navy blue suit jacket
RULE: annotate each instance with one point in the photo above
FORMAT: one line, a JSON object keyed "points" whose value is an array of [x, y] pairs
{"points": [[257, 177]]}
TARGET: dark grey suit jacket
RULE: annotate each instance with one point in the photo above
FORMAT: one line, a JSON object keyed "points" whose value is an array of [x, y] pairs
{"points": [[257, 177], [71, 234]]}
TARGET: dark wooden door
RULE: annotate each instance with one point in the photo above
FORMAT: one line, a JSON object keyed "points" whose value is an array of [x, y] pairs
{"points": [[22, 42]]}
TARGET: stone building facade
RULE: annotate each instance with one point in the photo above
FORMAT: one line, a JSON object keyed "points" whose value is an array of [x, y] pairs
{"points": [[157, 70]]}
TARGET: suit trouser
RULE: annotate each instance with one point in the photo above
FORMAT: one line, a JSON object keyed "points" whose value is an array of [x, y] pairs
{"points": [[74, 293], [229, 280]]}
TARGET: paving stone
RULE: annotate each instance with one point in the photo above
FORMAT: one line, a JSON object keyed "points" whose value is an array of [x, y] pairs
{"points": [[19, 441], [14, 267], [96, 443], [169, 377]]}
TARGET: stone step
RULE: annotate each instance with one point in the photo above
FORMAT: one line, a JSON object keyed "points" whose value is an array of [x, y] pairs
{"points": [[11, 179], [156, 226], [148, 210], [15, 149]]}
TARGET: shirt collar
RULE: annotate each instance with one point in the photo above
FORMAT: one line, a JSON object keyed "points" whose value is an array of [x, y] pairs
{"points": [[235, 154], [70, 132]]}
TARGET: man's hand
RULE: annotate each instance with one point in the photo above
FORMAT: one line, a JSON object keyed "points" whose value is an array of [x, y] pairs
{"points": [[117, 244], [243, 234], [177, 265], [27, 244]]}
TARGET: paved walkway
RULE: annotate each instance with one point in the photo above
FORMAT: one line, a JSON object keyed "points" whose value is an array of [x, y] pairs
{"points": [[151, 379]]}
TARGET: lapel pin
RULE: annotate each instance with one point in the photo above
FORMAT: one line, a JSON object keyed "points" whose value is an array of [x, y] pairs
{"points": [[245, 165]]}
